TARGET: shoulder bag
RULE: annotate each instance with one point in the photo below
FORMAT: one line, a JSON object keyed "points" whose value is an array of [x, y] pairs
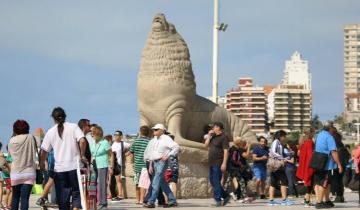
{"points": [[318, 160], [39, 174]]}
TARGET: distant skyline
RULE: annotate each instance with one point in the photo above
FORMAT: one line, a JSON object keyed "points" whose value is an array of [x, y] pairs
{"points": [[84, 56]]}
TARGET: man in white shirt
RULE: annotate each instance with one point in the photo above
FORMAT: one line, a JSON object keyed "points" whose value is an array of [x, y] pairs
{"points": [[158, 152], [119, 147], [63, 138]]}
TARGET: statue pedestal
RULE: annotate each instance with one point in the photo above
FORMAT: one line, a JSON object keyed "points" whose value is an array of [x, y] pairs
{"points": [[193, 174]]}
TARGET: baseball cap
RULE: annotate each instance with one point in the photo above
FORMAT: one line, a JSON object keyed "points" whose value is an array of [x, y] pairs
{"points": [[159, 127]]}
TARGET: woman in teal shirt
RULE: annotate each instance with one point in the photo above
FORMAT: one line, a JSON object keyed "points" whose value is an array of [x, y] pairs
{"points": [[101, 153]]}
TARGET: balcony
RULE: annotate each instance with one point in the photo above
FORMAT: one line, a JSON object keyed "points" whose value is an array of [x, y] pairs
{"points": [[247, 108], [246, 102], [246, 97], [251, 119]]}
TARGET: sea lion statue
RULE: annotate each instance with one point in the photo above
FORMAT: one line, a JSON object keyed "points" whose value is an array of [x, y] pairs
{"points": [[167, 91]]}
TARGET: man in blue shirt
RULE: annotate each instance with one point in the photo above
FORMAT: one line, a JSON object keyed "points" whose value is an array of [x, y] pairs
{"points": [[325, 143]]}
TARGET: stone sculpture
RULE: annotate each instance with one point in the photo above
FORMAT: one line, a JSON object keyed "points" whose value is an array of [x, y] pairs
{"points": [[167, 90]]}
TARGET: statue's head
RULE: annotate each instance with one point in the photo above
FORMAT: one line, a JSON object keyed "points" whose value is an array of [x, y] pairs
{"points": [[166, 54], [159, 23]]}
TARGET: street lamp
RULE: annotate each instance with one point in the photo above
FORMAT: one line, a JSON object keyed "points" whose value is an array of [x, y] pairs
{"points": [[357, 134], [216, 29]]}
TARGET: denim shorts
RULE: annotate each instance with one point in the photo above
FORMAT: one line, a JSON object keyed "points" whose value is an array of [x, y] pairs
{"points": [[260, 173]]}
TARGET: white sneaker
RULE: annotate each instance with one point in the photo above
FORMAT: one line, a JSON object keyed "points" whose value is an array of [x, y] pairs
{"points": [[233, 196], [347, 190]]}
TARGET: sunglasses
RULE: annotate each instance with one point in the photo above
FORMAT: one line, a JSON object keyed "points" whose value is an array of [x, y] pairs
{"points": [[156, 129]]}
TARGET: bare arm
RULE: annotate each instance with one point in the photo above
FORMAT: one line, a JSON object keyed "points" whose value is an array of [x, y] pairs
{"points": [[209, 136], [43, 158], [256, 158], [82, 143], [247, 153], [225, 159], [111, 158], [292, 160]]}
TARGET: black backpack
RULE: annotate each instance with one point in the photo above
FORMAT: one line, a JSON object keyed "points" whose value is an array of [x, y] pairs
{"points": [[344, 156]]}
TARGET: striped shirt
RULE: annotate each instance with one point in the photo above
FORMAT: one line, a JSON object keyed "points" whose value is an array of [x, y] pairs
{"points": [[137, 149]]}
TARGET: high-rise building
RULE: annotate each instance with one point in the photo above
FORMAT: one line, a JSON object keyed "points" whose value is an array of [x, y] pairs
{"points": [[296, 72], [289, 108], [249, 104], [221, 100], [352, 72]]}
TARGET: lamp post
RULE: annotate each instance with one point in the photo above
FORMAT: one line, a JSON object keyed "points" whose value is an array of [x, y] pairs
{"points": [[216, 29], [357, 133], [215, 52]]}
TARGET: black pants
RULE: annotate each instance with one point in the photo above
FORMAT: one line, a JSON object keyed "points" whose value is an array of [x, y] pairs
{"points": [[113, 186], [21, 194], [337, 184], [278, 177], [348, 174], [67, 188]]}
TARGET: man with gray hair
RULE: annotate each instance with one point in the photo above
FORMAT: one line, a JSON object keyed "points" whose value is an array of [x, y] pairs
{"points": [[325, 143], [158, 151]]}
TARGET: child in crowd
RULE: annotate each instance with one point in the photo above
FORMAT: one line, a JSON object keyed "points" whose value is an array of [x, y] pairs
{"points": [[6, 176], [290, 168], [238, 170]]}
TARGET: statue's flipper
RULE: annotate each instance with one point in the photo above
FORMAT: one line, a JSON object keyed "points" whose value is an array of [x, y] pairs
{"points": [[174, 127]]}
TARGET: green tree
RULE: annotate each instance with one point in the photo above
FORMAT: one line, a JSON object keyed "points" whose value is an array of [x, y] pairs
{"points": [[316, 123], [340, 121], [293, 136]]}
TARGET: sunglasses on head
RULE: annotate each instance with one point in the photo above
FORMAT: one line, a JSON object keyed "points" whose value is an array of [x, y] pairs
{"points": [[156, 129]]}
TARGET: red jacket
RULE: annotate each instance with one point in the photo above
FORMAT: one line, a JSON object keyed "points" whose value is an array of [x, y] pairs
{"points": [[304, 172]]}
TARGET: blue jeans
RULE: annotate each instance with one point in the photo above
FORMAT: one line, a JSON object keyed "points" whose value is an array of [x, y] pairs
{"points": [[291, 176], [21, 193], [159, 182], [66, 186], [160, 198], [215, 175]]}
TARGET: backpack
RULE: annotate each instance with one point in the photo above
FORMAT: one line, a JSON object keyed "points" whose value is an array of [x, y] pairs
{"points": [[234, 158], [344, 156]]}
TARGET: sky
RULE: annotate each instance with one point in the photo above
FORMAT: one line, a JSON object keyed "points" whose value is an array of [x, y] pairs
{"points": [[84, 55]]}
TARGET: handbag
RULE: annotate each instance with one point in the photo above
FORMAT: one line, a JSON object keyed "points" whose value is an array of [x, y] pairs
{"points": [[93, 162], [318, 160], [39, 179], [274, 163], [144, 180], [117, 168]]}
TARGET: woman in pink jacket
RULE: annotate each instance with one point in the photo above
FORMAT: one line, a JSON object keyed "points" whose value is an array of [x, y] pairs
{"points": [[356, 157]]}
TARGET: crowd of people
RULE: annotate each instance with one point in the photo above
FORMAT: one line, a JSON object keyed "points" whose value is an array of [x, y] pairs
{"points": [[318, 163], [70, 154]]}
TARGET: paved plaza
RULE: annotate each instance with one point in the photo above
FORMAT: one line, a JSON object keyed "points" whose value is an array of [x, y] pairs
{"points": [[198, 204]]}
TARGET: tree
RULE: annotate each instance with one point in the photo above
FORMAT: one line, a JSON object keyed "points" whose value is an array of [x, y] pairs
{"points": [[316, 123], [340, 121], [293, 136]]}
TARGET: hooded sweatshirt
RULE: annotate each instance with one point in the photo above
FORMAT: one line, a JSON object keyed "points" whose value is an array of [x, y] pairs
{"points": [[23, 151]]}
